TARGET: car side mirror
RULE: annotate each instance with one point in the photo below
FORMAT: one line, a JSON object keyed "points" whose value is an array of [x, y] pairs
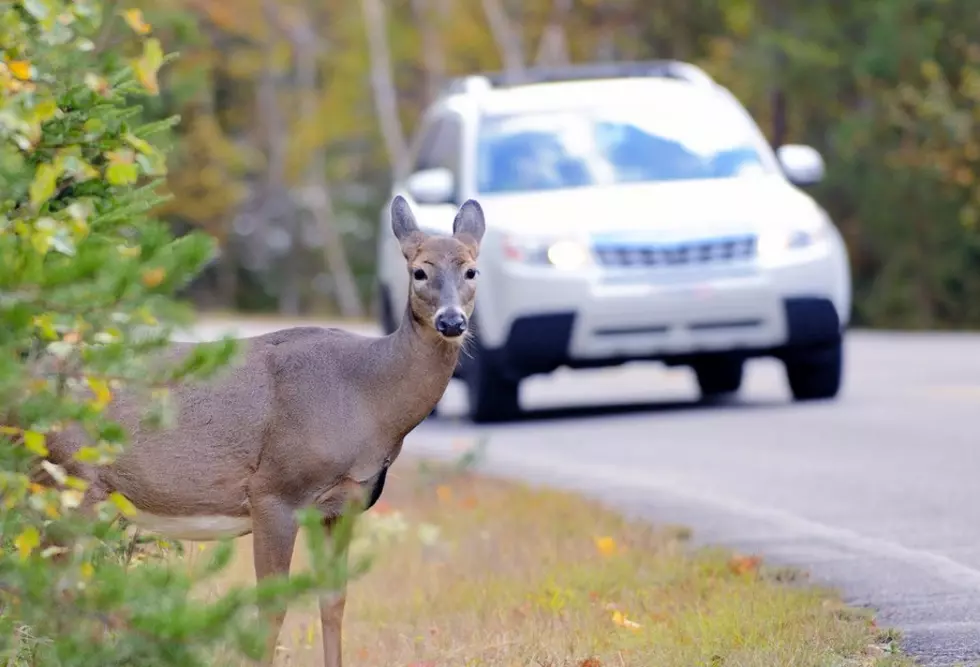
{"points": [[803, 165], [431, 186]]}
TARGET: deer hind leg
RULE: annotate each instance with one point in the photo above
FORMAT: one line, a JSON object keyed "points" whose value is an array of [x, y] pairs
{"points": [[332, 614], [274, 532]]}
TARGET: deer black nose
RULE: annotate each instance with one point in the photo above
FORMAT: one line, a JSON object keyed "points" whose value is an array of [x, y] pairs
{"points": [[451, 322]]}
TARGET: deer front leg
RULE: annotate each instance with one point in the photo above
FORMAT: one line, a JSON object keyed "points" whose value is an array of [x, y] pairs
{"points": [[273, 538], [332, 614]]}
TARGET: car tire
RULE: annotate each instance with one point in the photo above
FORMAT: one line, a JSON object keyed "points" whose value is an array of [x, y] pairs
{"points": [[719, 377], [816, 374], [386, 316], [492, 397]]}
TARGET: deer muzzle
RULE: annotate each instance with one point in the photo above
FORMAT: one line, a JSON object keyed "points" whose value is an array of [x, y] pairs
{"points": [[451, 322]]}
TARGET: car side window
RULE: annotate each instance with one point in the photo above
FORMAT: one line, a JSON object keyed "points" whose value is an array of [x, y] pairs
{"points": [[424, 156], [440, 146]]}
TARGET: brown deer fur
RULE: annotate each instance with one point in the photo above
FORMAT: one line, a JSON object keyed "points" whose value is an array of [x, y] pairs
{"points": [[307, 417]]}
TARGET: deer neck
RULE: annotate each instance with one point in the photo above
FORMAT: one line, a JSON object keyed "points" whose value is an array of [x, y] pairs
{"points": [[415, 365]]}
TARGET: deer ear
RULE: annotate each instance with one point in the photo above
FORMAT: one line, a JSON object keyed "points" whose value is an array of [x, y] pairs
{"points": [[403, 220], [470, 222]]}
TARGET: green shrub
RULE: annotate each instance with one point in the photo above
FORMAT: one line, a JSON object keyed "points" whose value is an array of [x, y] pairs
{"points": [[87, 283]]}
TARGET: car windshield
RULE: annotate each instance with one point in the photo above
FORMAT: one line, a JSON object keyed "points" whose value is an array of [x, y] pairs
{"points": [[606, 144]]}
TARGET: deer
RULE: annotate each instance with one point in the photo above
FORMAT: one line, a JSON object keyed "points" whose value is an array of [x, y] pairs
{"points": [[307, 417]]}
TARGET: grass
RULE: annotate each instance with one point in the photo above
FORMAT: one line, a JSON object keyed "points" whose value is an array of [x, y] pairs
{"points": [[481, 572]]}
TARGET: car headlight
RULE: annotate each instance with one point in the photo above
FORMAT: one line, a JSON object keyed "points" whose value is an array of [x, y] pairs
{"points": [[564, 253], [778, 243]]}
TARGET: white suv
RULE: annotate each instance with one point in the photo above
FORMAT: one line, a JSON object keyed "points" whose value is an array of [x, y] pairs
{"points": [[635, 211]]}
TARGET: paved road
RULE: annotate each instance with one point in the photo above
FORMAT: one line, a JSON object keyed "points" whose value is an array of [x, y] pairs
{"points": [[877, 493]]}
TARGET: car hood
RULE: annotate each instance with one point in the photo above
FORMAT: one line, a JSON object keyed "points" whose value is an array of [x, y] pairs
{"points": [[737, 205]]}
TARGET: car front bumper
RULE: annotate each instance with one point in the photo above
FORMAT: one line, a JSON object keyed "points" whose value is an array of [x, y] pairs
{"points": [[602, 321]]}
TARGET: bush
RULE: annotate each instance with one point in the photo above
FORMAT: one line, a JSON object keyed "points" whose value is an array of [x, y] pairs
{"points": [[87, 278]]}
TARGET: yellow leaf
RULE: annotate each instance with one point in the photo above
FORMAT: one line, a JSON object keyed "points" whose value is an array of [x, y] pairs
{"points": [[97, 84], [71, 498], [445, 493], [10, 430], [129, 251], [27, 542], [122, 503], [76, 483], [620, 619], [134, 18], [121, 174], [87, 570], [605, 545], [44, 183], [20, 68], [88, 455], [34, 442], [153, 277], [103, 395], [147, 66], [310, 634]]}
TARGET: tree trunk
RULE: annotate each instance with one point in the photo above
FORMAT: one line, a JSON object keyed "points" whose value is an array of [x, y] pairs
{"points": [[319, 199], [383, 87], [553, 47], [433, 54], [508, 40], [275, 198]]}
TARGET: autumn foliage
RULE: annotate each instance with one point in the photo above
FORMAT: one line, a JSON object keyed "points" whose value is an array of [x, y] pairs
{"points": [[87, 279]]}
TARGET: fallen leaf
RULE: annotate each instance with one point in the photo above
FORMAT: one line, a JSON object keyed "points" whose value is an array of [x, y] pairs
{"points": [[620, 619], [590, 662], [444, 492], [744, 564], [605, 545], [310, 634], [469, 502]]}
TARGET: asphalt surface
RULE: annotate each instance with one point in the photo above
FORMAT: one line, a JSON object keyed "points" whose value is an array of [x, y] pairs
{"points": [[876, 493]]}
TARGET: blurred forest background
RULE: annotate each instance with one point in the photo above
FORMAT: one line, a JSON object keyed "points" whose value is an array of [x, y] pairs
{"points": [[296, 114]]}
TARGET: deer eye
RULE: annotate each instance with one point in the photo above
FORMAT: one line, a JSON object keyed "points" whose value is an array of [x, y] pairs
{"points": [[419, 274], [470, 274]]}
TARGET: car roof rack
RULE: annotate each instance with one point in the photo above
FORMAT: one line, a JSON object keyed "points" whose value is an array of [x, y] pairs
{"points": [[666, 69]]}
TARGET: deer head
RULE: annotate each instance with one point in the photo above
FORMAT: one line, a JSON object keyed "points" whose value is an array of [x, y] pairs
{"points": [[442, 269]]}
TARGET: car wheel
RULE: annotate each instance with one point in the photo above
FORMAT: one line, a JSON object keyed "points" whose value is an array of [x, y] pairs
{"points": [[816, 374], [492, 397], [719, 376], [386, 317]]}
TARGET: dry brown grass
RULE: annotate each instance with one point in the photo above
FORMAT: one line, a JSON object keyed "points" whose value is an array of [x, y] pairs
{"points": [[520, 576]]}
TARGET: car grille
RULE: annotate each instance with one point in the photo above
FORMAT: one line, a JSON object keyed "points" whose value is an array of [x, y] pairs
{"points": [[701, 252]]}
